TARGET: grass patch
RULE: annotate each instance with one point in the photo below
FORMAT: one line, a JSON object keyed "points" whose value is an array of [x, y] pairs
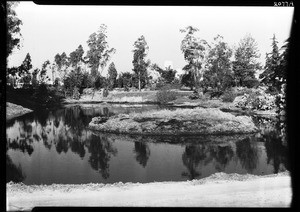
{"points": [[165, 96]]}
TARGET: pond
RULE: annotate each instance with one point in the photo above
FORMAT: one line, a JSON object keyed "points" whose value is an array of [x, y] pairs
{"points": [[46, 147]]}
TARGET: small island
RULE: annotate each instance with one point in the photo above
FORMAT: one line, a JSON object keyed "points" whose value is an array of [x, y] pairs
{"points": [[197, 121]]}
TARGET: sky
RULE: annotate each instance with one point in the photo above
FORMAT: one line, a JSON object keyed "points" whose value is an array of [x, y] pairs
{"points": [[48, 30]]}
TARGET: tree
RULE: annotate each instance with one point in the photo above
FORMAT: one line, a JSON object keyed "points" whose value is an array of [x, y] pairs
{"points": [[187, 80], [219, 75], [99, 52], [43, 72], [88, 80], [270, 77], [167, 75], [194, 51], [112, 76], [140, 66], [245, 64], [34, 80], [23, 70], [120, 81], [284, 61], [61, 63], [76, 56], [13, 33], [126, 79], [26, 64]]}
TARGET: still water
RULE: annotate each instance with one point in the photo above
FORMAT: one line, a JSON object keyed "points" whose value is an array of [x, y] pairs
{"points": [[46, 147]]}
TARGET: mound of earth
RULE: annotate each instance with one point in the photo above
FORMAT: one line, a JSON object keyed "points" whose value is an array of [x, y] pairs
{"points": [[13, 110], [197, 121]]}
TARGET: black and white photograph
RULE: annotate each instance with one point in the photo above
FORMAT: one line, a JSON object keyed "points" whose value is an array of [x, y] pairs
{"points": [[147, 106]]}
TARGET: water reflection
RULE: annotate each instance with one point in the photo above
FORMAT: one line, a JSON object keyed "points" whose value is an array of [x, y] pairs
{"points": [[64, 135], [191, 158], [248, 154], [101, 150], [222, 154], [142, 152], [13, 173]]}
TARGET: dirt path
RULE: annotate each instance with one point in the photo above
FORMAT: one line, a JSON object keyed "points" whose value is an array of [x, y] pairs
{"points": [[219, 190]]}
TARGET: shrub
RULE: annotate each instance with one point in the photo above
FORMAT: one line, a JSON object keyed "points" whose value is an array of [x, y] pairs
{"points": [[126, 88], [159, 85], [105, 92], [76, 94], [254, 101], [176, 85], [194, 95], [41, 93], [56, 82], [197, 95], [165, 95], [45, 95], [251, 83], [228, 96]]}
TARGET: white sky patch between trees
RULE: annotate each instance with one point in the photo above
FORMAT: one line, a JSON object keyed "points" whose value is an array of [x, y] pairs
{"points": [[48, 30]]}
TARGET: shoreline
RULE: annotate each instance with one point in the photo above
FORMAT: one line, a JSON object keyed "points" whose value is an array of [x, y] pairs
{"points": [[14, 111], [225, 107], [217, 190]]}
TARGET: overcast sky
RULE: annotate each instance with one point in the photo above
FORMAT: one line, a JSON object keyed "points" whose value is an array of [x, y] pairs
{"points": [[48, 30]]}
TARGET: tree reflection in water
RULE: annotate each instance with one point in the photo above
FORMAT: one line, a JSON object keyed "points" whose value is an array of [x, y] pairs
{"points": [[62, 145], [20, 144], [196, 156], [276, 152], [142, 153], [247, 153], [101, 150], [191, 158], [65, 129], [222, 154], [13, 173], [274, 136]]}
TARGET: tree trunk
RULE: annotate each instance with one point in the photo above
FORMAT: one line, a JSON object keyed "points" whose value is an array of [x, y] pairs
{"points": [[139, 82], [195, 79], [93, 93]]}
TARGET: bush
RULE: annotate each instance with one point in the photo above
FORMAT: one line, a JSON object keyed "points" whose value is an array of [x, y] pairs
{"points": [[254, 101], [165, 95], [76, 94], [168, 86], [159, 85], [251, 83], [197, 95], [228, 96], [45, 95], [41, 93], [126, 88], [105, 92]]}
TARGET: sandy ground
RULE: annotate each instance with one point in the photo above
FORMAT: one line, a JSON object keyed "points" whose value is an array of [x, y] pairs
{"points": [[218, 190]]}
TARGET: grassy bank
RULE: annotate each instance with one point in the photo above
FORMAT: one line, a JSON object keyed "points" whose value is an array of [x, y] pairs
{"points": [[149, 97], [13, 111], [122, 97], [197, 121]]}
